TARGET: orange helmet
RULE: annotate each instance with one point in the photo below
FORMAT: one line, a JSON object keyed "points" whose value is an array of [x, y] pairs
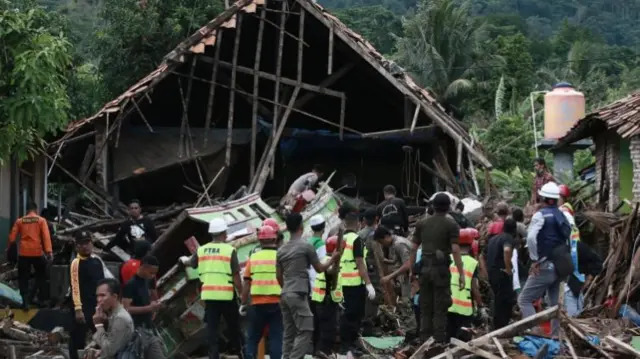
{"points": [[564, 191], [331, 244], [467, 235], [271, 223], [267, 233]]}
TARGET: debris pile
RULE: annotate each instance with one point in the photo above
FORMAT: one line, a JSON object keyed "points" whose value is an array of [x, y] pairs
{"points": [[18, 340]]}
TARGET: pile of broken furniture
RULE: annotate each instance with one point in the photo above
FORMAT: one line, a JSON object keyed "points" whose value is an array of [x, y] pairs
{"points": [[18, 340]]}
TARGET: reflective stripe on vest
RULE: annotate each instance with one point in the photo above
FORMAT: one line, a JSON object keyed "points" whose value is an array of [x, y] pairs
{"points": [[574, 258], [320, 285], [461, 299], [263, 273], [214, 269], [349, 274]]}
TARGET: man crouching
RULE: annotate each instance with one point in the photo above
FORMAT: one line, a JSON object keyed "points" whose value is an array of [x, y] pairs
{"points": [[109, 311]]}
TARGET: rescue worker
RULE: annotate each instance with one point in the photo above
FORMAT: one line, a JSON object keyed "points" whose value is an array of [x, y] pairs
{"points": [[260, 281], [462, 300], [86, 271], [586, 263], [400, 248], [394, 210], [301, 184], [356, 284], [292, 263], [369, 220], [317, 228], [326, 298], [438, 237], [547, 239], [219, 271], [274, 224], [34, 251], [501, 271]]}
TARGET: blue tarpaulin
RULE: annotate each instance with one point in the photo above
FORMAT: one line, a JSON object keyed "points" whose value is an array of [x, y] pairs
{"points": [[530, 346]]}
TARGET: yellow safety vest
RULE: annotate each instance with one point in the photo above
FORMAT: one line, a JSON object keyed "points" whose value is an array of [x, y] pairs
{"points": [[320, 285], [349, 275], [461, 299], [214, 269], [263, 273], [575, 232]]}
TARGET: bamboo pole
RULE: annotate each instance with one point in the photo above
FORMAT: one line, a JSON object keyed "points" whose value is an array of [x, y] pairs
{"points": [[330, 57], [343, 104], [185, 108], [142, 116], [212, 87], [276, 90], [254, 110], [232, 93], [414, 121]]}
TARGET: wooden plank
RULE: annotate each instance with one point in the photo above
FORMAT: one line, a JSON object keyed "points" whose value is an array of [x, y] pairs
{"points": [[212, 87], [232, 93], [254, 109]]}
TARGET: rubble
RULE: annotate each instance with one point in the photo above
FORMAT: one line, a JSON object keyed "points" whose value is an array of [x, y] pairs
{"points": [[18, 340]]}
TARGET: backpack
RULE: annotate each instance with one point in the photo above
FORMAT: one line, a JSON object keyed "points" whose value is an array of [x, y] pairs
{"points": [[561, 255], [134, 348]]}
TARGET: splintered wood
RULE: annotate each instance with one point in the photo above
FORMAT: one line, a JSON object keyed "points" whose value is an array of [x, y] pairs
{"points": [[18, 340]]}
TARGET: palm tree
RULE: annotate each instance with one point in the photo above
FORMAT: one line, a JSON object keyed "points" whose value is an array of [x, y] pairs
{"points": [[440, 48]]}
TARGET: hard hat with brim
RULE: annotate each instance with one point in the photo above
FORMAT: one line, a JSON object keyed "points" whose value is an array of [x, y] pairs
{"points": [[550, 190], [217, 225]]}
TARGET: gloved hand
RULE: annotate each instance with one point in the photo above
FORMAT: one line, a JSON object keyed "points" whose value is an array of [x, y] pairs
{"points": [[484, 313], [184, 260], [242, 310], [371, 293]]}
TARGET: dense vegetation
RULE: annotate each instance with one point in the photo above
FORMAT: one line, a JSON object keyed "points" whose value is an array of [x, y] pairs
{"points": [[481, 58]]}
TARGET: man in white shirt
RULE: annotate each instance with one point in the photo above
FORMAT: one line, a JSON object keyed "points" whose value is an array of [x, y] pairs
{"points": [[306, 181]]}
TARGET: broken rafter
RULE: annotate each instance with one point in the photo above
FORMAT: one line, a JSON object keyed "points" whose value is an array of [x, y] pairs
{"points": [[330, 56], [284, 80], [254, 107], [212, 87], [292, 36], [206, 190], [185, 109], [249, 97], [414, 121], [142, 116], [232, 93], [394, 132]]}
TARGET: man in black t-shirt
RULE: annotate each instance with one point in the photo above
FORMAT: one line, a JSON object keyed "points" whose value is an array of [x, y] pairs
{"points": [[136, 298], [136, 228], [499, 253], [393, 211]]}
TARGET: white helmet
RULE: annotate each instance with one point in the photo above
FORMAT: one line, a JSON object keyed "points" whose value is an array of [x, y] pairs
{"points": [[316, 220], [550, 190], [217, 225]]}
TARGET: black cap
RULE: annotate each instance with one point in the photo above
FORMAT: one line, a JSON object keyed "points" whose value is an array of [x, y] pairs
{"points": [[82, 237], [370, 214], [441, 201], [381, 232]]}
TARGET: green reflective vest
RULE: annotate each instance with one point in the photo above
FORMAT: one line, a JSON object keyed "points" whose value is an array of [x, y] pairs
{"points": [[461, 299], [320, 288], [263, 273], [214, 269], [349, 275]]}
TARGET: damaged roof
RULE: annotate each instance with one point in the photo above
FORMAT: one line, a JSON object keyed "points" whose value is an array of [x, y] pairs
{"points": [[206, 36], [622, 116]]}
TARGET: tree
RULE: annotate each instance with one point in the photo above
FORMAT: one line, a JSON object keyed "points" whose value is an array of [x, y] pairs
{"points": [[136, 35], [33, 87], [441, 49], [375, 23]]}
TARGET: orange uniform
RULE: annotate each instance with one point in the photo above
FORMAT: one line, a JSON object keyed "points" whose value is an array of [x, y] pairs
{"points": [[35, 239]]}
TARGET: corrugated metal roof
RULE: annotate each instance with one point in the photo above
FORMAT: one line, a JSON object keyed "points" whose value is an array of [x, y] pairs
{"points": [[206, 36]]}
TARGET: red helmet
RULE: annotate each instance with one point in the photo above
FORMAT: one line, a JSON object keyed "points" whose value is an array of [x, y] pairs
{"points": [[331, 244], [475, 248], [267, 233], [564, 191], [467, 235], [271, 223]]}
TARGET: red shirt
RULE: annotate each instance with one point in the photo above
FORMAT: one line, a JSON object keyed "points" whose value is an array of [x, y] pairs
{"points": [[495, 227]]}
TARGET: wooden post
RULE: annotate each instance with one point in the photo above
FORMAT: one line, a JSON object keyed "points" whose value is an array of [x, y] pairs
{"points": [[414, 121], [330, 57], [212, 87], [232, 92], [254, 110]]}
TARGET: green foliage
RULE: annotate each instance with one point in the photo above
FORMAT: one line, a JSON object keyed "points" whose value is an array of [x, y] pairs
{"points": [[508, 141], [33, 79], [375, 23], [134, 38]]}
